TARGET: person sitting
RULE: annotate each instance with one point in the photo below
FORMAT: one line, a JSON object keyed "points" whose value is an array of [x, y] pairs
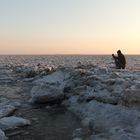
{"points": [[120, 60]]}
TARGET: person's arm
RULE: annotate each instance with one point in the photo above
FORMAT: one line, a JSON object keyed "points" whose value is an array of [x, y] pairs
{"points": [[115, 57]]}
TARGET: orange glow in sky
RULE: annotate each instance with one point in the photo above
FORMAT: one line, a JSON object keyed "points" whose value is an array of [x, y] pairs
{"points": [[69, 27]]}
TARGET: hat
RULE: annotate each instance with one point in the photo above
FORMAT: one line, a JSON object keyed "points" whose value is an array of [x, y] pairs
{"points": [[118, 51]]}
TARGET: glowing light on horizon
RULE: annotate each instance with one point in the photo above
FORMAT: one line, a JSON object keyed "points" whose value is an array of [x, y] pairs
{"points": [[71, 27]]}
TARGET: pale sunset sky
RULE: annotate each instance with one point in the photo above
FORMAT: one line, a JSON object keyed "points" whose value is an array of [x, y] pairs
{"points": [[69, 26]]}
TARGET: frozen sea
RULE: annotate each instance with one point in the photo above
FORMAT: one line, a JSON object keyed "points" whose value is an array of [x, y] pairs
{"points": [[104, 105], [133, 61]]}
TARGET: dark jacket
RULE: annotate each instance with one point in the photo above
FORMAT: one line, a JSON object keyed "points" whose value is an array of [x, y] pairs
{"points": [[120, 60]]}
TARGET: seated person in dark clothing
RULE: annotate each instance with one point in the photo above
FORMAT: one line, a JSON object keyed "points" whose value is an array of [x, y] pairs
{"points": [[120, 61]]}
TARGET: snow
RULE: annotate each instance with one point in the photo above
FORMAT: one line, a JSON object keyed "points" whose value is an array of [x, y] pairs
{"points": [[105, 99], [12, 122]]}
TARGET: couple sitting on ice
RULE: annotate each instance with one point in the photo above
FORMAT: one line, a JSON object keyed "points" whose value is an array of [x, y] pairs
{"points": [[120, 61]]}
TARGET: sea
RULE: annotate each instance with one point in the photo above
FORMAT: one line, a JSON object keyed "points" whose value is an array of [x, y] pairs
{"points": [[133, 61]]}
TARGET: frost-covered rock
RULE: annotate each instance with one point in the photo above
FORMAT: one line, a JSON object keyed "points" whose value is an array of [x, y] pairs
{"points": [[102, 118], [6, 110], [50, 88], [57, 78], [2, 135], [101, 96], [12, 122], [7, 107], [77, 133], [77, 138], [46, 94], [101, 71], [32, 71], [116, 133], [98, 137], [132, 96]]}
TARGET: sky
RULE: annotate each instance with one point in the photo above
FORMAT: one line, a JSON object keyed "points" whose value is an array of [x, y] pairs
{"points": [[69, 26]]}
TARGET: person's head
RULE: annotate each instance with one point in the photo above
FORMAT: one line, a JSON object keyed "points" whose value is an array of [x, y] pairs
{"points": [[118, 52]]}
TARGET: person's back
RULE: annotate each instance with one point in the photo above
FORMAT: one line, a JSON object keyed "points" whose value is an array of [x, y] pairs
{"points": [[122, 60]]}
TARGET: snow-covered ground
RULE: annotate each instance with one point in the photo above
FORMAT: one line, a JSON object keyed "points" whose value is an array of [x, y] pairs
{"points": [[102, 60], [106, 100]]}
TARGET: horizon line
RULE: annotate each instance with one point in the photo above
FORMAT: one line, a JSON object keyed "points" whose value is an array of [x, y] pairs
{"points": [[61, 54]]}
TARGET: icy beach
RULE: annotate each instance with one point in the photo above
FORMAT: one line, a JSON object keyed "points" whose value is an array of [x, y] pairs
{"points": [[105, 100]]}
